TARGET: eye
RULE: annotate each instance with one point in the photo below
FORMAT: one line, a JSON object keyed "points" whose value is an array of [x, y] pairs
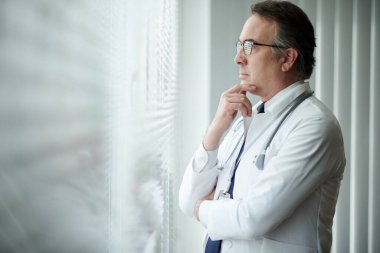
{"points": [[248, 47]]}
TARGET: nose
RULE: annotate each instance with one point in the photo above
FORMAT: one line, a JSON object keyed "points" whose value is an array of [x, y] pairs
{"points": [[240, 57]]}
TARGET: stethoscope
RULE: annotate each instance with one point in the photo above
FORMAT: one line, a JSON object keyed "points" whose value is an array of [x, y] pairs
{"points": [[261, 157], [297, 101]]}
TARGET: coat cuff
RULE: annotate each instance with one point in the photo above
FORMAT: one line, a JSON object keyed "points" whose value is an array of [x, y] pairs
{"points": [[203, 212], [204, 159]]}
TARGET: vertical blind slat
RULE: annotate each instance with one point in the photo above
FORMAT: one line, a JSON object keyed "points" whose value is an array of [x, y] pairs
{"points": [[359, 122], [342, 98], [374, 138], [325, 52]]}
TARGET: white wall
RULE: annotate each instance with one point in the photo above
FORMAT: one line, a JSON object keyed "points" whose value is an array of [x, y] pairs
{"points": [[194, 100], [227, 19]]}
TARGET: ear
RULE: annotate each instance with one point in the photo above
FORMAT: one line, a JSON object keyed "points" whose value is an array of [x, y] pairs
{"points": [[288, 59]]}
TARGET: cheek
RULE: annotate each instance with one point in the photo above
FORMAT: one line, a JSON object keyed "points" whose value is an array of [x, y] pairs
{"points": [[257, 71]]}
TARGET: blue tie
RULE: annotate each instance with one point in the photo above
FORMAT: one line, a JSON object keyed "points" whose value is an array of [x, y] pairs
{"points": [[214, 246], [261, 108]]}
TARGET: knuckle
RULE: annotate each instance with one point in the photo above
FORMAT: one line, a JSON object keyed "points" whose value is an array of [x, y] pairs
{"points": [[224, 95]]}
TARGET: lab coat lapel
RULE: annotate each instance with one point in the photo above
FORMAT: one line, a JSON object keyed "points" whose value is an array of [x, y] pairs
{"points": [[259, 124], [233, 147]]}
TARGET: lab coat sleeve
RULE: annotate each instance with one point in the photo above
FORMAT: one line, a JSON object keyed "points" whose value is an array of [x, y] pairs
{"points": [[199, 179], [310, 154]]}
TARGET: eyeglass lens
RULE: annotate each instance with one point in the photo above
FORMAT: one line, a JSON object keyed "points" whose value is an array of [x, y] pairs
{"points": [[247, 47]]}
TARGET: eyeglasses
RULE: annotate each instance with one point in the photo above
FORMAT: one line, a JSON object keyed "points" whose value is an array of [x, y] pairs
{"points": [[247, 46]]}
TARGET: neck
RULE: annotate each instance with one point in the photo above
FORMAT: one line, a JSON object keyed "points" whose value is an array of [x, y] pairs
{"points": [[279, 86]]}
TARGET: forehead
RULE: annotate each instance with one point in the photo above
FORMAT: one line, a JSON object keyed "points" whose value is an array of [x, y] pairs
{"points": [[259, 29]]}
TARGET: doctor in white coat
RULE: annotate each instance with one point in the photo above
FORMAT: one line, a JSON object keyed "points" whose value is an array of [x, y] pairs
{"points": [[272, 183]]}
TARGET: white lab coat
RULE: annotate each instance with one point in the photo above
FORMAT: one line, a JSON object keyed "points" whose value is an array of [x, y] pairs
{"points": [[289, 205]]}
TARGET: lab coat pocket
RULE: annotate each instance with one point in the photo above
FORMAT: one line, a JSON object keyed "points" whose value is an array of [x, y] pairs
{"points": [[272, 246]]}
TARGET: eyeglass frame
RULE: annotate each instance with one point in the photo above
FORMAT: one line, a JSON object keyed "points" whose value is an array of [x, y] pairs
{"points": [[240, 45]]}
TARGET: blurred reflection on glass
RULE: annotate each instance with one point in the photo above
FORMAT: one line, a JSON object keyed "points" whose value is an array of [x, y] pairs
{"points": [[87, 125]]}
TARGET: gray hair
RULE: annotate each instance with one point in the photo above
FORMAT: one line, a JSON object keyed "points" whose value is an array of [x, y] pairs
{"points": [[294, 30]]}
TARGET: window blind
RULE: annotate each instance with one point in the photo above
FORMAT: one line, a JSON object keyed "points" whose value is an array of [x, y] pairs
{"points": [[88, 100], [143, 76], [53, 181]]}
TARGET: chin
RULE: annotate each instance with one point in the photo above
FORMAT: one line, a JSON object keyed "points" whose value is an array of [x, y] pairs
{"points": [[244, 82]]}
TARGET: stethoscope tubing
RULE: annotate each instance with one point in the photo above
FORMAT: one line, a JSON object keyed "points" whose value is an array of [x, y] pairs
{"points": [[261, 157], [296, 102]]}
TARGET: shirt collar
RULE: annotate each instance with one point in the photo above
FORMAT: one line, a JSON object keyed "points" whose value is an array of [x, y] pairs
{"points": [[279, 101]]}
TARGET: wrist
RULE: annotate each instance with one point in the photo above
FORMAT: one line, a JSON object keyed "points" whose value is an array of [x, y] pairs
{"points": [[212, 137]]}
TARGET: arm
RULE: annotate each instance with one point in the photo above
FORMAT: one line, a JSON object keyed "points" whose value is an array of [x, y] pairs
{"points": [[231, 101], [201, 174], [304, 162], [199, 179]]}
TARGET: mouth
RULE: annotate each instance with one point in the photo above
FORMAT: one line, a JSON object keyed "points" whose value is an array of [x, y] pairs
{"points": [[243, 75]]}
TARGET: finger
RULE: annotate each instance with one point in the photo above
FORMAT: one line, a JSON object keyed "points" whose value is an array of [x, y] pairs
{"points": [[236, 97], [248, 87], [210, 196], [242, 99], [248, 105], [244, 110], [235, 89], [241, 108]]}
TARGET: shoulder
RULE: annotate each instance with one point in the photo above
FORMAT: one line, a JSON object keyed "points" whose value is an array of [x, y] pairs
{"points": [[311, 119], [313, 110]]}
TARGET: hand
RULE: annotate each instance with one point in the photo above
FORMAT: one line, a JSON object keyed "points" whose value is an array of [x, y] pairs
{"points": [[210, 196], [231, 101]]}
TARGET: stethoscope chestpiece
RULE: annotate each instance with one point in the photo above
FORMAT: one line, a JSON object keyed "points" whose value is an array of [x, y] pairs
{"points": [[260, 161]]}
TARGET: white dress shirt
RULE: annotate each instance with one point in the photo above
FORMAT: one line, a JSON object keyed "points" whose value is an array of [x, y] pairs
{"points": [[289, 205]]}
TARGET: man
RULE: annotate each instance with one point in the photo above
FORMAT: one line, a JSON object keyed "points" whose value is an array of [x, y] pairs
{"points": [[272, 183]]}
